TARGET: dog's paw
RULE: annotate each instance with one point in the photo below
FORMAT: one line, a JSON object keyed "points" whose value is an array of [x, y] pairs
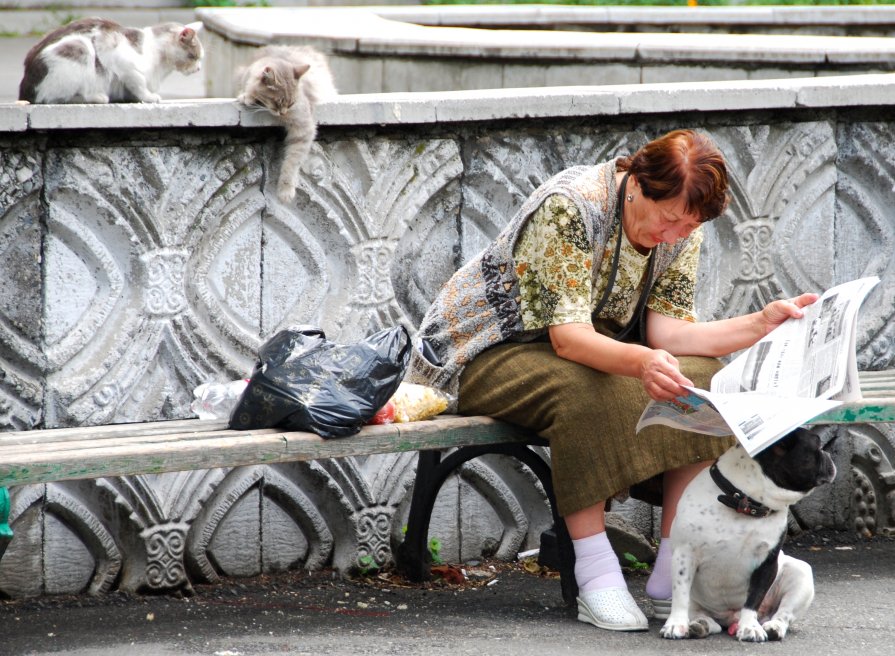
{"points": [[702, 627], [775, 629], [675, 630], [751, 632]]}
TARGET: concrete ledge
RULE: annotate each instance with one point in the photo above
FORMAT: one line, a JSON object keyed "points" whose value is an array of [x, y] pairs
{"points": [[365, 30], [399, 49], [638, 18], [482, 105]]}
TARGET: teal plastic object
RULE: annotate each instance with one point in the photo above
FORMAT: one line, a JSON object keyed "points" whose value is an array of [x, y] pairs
{"points": [[5, 530]]}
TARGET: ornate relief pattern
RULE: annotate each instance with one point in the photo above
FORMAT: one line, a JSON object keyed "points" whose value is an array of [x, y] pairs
{"points": [[275, 488], [155, 286], [866, 240], [368, 491], [23, 570], [153, 306], [873, 459], [21, 361], [361, 199], [782, 199], [156, 515], [503, 170], [165, 545]]}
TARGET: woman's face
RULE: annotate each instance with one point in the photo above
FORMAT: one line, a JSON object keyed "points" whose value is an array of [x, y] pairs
{"points": [[656, 222]]}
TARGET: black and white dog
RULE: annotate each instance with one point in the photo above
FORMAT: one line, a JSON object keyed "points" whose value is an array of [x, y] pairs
{"points": [[727, 565]]}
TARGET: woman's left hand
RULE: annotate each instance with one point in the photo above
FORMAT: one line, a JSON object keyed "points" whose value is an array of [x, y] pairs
{"points": [[776, 312]]}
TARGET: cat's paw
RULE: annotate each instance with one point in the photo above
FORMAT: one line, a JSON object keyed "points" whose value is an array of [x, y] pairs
{"points": [[151, 97], [98, 98], [286, 193]]}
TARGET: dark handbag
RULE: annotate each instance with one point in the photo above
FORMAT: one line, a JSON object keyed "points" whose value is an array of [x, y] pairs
{"points": [[304, 382], [635, 330]]}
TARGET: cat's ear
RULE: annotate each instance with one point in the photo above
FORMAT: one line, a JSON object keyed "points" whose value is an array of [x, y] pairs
{"points": [[189, 32], [268, 75], [301, 69]]}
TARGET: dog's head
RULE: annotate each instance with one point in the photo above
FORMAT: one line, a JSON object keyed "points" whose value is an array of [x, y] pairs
{"points": [[797, 462]]}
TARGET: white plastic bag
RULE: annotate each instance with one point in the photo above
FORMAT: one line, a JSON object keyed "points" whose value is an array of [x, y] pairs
{"points": [[217, 400]]}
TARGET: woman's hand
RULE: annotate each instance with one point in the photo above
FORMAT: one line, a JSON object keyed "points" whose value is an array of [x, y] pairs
{"points": [[776, 312], [661, 375]]}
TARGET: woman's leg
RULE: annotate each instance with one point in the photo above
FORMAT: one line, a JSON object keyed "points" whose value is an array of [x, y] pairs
{"points": [[658, 587], [596, 564], [586, 522], [673, 484], [603, 597]]}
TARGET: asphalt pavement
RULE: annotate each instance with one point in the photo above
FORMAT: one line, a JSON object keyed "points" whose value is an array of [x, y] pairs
{"points": [[507, 611]]}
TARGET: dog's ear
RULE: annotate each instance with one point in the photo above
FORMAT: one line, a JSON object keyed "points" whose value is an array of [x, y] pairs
{"points": [[785, 444]]}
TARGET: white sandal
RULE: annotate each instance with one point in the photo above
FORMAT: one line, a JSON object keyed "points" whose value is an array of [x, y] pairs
{"points": [[611, 608]]}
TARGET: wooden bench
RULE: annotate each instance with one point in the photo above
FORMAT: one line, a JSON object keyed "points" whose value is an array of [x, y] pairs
{"points": [[444, 443], [58, 454]]}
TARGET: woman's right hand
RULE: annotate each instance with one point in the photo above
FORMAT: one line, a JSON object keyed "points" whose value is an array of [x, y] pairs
{"points": [[661, 375]]}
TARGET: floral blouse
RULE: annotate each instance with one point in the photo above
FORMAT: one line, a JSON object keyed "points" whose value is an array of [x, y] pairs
{"points": [[557, 284]]}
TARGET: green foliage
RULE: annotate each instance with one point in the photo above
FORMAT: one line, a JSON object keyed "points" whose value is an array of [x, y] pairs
{"points": [[434, 547], [225, 3], [633, 563], [366, 565], [435, 551]]}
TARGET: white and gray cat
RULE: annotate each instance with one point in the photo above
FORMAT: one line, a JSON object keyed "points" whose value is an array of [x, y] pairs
{"points": [[93, 60], [289, 81]]}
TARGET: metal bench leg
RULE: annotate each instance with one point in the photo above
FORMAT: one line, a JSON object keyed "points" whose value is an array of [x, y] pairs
{"points": [[557, 553], [412, 556], [5, 530]]}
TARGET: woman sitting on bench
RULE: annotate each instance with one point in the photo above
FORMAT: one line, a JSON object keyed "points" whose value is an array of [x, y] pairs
{"points": [[579, 312]]}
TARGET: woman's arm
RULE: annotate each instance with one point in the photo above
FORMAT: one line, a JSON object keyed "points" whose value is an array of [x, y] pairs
{"points": [[656, 365], [657, 369], [724, 336]]}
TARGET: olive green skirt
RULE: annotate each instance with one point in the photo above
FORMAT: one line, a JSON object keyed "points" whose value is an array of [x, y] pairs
{"points": [[588, 417]]}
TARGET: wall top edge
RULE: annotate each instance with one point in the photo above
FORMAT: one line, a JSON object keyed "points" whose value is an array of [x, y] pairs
{"points": [[623, 16], [476, 105], [407, 31]]}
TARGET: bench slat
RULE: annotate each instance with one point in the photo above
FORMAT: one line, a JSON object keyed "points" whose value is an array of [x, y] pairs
{"points": [[155, 447], [110, 431], [204, 451]]}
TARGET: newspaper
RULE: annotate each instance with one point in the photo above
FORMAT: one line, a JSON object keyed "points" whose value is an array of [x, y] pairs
{"points": [[800, 370]]}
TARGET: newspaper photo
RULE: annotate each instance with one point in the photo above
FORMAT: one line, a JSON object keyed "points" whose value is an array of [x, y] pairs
{"points": [[800, 370]]}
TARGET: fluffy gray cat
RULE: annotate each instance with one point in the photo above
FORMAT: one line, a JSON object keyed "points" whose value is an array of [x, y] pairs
{"points": [[94, 60], [288, 81]]}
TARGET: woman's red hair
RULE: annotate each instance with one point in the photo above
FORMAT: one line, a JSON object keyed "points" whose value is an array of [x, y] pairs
{"points": [[682, 164]]}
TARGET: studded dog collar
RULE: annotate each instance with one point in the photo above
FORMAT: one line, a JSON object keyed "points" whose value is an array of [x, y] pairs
{"points": [[734, 498]]}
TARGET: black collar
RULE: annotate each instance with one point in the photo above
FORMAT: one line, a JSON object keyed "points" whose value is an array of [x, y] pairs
{"points": [[735, 499]]}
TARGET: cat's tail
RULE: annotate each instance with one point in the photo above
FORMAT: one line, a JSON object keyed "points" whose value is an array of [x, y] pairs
{"points": [[299, 137]]}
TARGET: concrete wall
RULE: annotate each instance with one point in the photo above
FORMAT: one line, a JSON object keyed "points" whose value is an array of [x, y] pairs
{"points": [[146, 253], [396, 49]]}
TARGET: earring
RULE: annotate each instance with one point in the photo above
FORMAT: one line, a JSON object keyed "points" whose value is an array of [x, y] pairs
{"points": [[630, 198]]}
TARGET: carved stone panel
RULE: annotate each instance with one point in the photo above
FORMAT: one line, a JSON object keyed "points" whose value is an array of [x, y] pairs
{"points": [[136, 272], [152, 277], [374, 222], [22, 361]]}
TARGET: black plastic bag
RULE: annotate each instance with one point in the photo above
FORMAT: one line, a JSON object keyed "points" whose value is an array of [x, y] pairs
{"points": [[304, 382]]}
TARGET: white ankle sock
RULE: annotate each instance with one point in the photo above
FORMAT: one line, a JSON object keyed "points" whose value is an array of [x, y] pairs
{"points": [[659, 584], [596, 565]]}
